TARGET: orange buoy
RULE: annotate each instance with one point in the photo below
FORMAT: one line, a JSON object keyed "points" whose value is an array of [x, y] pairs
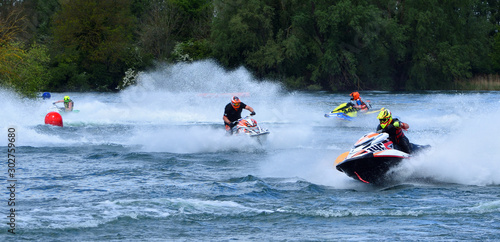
{"points": [[54, 118]]}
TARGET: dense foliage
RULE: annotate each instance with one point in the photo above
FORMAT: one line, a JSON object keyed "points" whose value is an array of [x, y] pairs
{"points": [[92, 45]]}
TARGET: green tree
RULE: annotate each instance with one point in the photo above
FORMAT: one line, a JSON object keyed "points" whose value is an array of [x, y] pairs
{"points": [[495, 53], [356, 44], [26, 71], [448, 41], [315, 43], [240, 28], [352, 35], [41, 13], [166, 23], [96, 35], [160, 23]]}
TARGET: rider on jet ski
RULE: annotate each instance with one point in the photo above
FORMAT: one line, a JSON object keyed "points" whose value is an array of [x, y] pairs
{"points": [[232, 112], [394, 128], [68, 104], [357, 102]]}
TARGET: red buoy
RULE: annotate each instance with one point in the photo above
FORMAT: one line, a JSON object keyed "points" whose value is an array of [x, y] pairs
{"points": [[54, 118]]}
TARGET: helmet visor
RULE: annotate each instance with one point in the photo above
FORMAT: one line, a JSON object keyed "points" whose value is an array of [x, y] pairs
{"points": [[236, 105], [384, 122]]}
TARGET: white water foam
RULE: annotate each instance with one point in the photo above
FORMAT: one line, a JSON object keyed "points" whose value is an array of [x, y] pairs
{"points": [[179, 109], [468, 155], [108, 211], [462, 133]]}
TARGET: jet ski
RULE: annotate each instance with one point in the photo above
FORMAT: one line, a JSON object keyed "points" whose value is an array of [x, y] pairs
{"points": [[347, 111], [248, 126], [371, 157], [60, 110]]}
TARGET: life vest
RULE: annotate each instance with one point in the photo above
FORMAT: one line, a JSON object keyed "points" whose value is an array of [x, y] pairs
{"points": [[66, 104]]}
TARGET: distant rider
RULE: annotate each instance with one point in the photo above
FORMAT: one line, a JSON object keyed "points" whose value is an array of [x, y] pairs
{"points": [[68, 103], [357, 102], [232, 112], [394, 128], [46, 95]]}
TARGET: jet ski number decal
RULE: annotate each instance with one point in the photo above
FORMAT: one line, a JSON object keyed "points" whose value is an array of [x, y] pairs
{"points": [[377, 147], [348, 110]]}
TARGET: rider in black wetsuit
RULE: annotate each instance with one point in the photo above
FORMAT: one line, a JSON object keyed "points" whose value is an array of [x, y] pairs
{"points": [[232, 112], [394, 128]]}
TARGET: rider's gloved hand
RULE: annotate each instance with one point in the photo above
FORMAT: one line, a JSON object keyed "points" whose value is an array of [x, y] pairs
{"points": [[232, 124], [252, 113], [54, 103]]}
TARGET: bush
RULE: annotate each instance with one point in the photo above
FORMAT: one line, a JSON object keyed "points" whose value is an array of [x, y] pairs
{"points": [[25, 71]]}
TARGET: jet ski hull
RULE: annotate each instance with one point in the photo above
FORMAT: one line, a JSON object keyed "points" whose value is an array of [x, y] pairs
{"points": [[371, 158], [347, 112], [260, 137], [369, 169], [344, 111]]}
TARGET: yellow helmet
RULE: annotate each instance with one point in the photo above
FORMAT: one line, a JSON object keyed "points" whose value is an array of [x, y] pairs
{"points": [[385, 117], [66, 99]]}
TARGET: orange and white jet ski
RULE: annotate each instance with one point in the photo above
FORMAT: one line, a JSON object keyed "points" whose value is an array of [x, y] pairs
{"points": [[248, 126], [371, 157]]}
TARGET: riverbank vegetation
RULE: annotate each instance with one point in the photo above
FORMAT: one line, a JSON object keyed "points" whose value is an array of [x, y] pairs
{"points": [[96, 45]]}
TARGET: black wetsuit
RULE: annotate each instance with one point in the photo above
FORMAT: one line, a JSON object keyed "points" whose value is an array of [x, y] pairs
{"points": [[233, 115], [397, 136]]}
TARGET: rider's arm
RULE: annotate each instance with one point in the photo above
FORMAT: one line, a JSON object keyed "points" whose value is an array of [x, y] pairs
{"points": [[226, 120], [401, 125], [364, 104], [358, 104], [249, 108]]}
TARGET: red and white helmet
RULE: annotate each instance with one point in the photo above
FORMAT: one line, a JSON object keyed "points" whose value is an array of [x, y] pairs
{"points": [[235, 101]]}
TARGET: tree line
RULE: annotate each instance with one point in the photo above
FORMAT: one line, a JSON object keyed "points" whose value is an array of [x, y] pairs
{"points": [[94, 45]]}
